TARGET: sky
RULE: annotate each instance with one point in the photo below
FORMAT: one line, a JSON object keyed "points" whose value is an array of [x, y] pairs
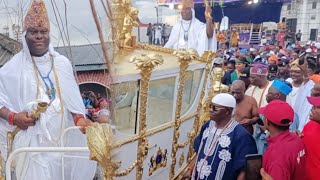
{"points": [[81, 26]]}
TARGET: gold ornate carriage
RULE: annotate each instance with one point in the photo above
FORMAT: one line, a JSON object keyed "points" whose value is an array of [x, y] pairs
{"points": [[160, 103]]}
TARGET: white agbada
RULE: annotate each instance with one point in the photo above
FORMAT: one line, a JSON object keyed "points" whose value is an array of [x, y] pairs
{"points": [[197, 36], [18, 87], [301, 106]]}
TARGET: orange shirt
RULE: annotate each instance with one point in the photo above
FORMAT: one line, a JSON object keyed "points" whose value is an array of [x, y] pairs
{"points": [[315, 78]]}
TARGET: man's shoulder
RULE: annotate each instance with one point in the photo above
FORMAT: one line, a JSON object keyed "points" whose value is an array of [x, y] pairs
{"points": [[241, 131], [250, 89], [249, 99], [12, 61], [62, 59]]}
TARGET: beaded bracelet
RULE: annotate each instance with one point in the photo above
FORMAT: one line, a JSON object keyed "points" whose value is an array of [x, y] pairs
{"points": [[11, 118], [76, 118]]}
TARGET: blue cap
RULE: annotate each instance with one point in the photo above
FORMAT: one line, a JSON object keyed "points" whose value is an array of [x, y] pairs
{"points": [[282, 87], [243, 51]]}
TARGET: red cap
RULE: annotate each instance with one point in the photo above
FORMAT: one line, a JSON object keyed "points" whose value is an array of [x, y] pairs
{"points": [[314, 101], [276, 111]]}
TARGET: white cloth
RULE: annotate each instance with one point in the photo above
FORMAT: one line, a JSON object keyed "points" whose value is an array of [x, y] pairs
{"points": [[18, 88], [158, 32], [291, 98], [301, 106], [197, 36], [259, 94]]}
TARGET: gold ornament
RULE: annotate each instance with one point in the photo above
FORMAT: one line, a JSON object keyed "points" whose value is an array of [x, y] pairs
{"points": [[99, 138], [146, 63], [158, 161], [129, 22], [185, 56], [181, 160]]}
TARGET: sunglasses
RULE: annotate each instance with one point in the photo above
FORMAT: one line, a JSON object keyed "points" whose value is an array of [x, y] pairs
{"points": [[216, 108]]}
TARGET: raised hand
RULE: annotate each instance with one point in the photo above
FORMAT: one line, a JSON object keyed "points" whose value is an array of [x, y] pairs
{"points": [[208, 12]]}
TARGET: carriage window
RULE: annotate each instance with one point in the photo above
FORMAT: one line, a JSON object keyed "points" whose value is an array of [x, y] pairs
{"points": [[160, 101], [125, 97], [191, 88]]}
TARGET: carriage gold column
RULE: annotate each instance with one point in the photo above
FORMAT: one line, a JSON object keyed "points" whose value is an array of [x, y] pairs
{"points": [[184, 57], [207, 57], [146, 63]]}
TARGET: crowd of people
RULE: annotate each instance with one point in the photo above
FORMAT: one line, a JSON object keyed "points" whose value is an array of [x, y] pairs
{"points": [[274, 95], [158, 34], [97, 107]]}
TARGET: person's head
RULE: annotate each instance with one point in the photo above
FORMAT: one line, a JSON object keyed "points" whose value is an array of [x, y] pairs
{"points": [[316, 90], [258, 74], [278, 91], [299, 31], [283, 65], [103, 104], [296, 72], [314, 100], [85, 94], [186, 13], [231, 66], [103, 116], [37, 28], [99, 95], [245, 76], [237, 90], [278, 116], [217, 62], [90, 108], [272, 60], [222, 106], [150, 24], [311, 69], [241, 63]]}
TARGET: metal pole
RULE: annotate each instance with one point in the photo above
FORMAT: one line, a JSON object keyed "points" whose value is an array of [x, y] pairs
{"points": [[157, 15]]}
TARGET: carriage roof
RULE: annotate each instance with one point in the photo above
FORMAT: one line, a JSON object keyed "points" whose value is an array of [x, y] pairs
{"points": [[126, 71]]}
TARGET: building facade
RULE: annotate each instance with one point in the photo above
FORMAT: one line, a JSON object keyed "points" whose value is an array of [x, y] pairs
{"points": [[303, 15]]}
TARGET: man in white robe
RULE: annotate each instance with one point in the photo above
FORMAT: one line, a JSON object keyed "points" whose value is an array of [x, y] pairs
{"points": [[190, 33], [302, 87], [39, 74]]}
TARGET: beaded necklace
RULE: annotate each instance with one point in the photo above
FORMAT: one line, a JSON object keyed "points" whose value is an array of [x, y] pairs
{"points": [[37, 72]]}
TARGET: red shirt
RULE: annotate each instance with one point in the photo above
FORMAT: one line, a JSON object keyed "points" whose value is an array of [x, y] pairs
{"points": [[285, 157], [311, 133]]}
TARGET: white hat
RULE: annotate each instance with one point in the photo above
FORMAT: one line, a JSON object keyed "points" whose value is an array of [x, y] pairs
{"points": [[218, 60], [309, 50], [252, 49], [224, 99]]}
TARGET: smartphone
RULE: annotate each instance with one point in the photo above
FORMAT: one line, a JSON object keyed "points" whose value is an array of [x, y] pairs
{"points": [[260, 122], [253, 166]]}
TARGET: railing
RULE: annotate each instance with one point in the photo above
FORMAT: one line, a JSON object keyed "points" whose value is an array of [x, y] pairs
{"points": [[40, 149], [47, 149], [251, 29]]}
